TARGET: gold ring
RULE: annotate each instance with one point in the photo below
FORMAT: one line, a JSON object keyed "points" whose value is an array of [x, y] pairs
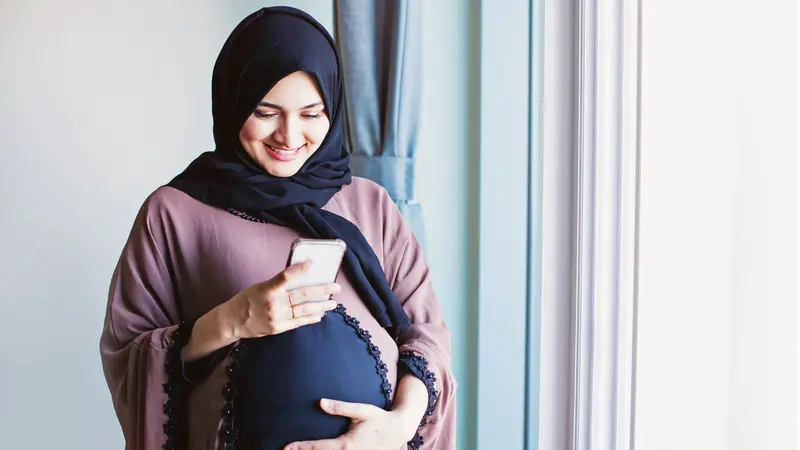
{"points": [[291, 303]]}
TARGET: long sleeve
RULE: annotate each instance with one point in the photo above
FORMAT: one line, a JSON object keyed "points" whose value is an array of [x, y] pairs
{"points": [[425, 346], [141, 324]]}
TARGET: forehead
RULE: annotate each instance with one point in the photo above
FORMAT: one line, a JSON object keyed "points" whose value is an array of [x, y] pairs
{"points": [[296, 89]]}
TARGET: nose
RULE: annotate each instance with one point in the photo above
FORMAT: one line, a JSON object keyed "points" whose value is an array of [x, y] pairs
{"points": [[290, 132]]}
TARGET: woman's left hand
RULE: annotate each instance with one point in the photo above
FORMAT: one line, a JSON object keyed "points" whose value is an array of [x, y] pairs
{"points": [[372, 428]]}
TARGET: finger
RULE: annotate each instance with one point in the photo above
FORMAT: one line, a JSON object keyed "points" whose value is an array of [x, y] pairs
{"points": [[312, 293], [313, 308], [298, 322], [357, 411], [288, 274], [327, 444]]}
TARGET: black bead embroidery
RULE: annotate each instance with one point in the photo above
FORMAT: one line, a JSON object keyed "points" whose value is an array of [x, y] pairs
{"points": [[229, 433], [416, 443], [419, 367], [246, 216], [380, 366], [176, 389]]}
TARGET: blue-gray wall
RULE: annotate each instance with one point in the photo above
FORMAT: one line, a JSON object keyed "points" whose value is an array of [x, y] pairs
{"points": [[447, 182]]}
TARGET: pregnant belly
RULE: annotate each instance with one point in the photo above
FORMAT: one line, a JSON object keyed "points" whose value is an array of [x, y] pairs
{"points": [[283, 378]]}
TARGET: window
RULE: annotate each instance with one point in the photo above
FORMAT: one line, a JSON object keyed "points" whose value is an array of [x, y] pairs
{"points": [[558, 217]]}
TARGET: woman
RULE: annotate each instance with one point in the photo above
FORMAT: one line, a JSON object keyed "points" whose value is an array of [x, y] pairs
{"points": [[200, 351]]}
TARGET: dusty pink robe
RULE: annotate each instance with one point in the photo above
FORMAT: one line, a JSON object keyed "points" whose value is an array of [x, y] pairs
{"points": [[184, 257]]}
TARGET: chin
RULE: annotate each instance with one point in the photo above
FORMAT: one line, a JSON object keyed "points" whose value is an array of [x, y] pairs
{"points": [[283, 170]]}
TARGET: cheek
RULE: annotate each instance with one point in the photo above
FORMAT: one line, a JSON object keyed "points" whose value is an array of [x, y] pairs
{"points": [[255, 130], [317, 131]]}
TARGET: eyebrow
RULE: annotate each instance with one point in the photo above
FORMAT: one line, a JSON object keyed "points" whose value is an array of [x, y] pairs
{"points": [[272, 105]]}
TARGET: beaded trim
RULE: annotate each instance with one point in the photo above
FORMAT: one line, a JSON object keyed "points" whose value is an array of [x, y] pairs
{"points": [[176, 389], [380, 366], [229, 433], [416, 443], [246, 216], [418, 365]]}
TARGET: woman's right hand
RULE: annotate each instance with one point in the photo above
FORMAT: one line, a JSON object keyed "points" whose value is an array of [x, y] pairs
{"points": [[267, 308], [263, 309]]}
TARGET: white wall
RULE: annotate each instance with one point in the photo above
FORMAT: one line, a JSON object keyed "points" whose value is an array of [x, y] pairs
{"points": [[100, 103], [717, 356], [764, 381]]}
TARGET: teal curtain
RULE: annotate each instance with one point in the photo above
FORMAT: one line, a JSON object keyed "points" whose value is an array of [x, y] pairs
{"points": [[380, 42]]}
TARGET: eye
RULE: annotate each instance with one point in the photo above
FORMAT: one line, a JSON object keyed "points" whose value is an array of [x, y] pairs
{"points": [[312, 116], [263, 115]]}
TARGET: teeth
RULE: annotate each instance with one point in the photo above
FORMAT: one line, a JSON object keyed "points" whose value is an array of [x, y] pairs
{"points": [[285, 152]]}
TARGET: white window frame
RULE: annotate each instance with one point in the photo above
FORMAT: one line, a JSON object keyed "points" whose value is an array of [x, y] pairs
{"points": [[606, 239], [557, 260]]}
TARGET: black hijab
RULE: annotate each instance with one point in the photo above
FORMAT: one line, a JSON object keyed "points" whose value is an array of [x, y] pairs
{"points": [[264, 48]]}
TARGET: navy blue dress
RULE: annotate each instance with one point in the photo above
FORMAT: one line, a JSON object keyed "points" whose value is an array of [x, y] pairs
{"points": [[331, 359]]}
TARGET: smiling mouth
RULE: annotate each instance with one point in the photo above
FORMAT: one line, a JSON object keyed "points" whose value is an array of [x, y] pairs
{"points": [[283, 154]]}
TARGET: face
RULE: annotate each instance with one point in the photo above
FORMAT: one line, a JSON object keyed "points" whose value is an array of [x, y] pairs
{"points": [[287, 127]]}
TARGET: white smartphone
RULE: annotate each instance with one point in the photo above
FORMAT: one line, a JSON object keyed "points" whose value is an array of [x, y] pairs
{"points": [[326, 256]]}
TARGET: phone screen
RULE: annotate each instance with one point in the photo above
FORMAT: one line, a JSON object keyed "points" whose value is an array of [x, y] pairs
{"points": [[326, 255]]}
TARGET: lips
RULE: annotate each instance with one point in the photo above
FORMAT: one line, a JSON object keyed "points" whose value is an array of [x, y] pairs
{"points": [[283, 154]]}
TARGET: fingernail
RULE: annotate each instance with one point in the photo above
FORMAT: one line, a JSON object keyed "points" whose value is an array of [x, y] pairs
{"points": [[325, 403]]}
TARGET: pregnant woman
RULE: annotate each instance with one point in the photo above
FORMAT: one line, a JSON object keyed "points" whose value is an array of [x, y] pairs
{"points": [[204, 348]]}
